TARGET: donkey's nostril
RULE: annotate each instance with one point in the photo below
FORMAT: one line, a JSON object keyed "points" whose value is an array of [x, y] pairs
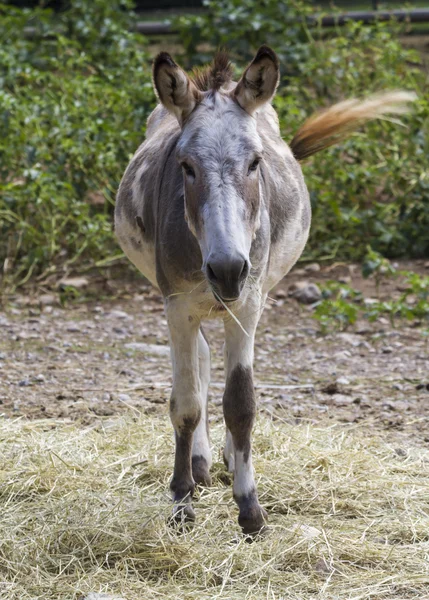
{"points": [[245, 270], [210, 273], [227, 274]]}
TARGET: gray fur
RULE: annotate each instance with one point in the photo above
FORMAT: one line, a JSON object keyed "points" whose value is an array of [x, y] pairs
{"points": [[192, 197]]}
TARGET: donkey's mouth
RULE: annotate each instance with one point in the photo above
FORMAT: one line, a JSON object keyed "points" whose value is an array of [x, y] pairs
{"points": [[223, 300]]}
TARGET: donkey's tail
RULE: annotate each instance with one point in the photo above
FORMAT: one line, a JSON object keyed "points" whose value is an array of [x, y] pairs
{"points": [[329, 126]]}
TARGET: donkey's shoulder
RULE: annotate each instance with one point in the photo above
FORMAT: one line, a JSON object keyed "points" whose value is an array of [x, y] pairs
{"points": [[160, 122]]}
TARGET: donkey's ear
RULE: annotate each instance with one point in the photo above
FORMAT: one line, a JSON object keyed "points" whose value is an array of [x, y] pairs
{"points": [[174, 88], [259, 81]]}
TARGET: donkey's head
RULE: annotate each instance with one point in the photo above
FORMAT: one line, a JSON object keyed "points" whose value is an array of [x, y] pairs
{"points": [[220, 152]]}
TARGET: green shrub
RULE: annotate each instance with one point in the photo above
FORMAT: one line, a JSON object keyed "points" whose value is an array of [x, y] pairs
{"points": [[74, 101], [372, 188], [73, 104]]}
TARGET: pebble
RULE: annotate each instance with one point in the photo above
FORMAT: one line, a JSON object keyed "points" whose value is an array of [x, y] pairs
{"points": [[305, 292], [124, 398], [342, 400], [24, 383], [387, 349], [149, 348], [422, 386], [312, 268], [76, 282], [347, 418], [47, 299], [119, 314], [400, 452], [321, 566], [40, 378]]}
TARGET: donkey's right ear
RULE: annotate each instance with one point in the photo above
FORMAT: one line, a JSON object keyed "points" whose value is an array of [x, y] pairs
{"points": [[174, 88]]}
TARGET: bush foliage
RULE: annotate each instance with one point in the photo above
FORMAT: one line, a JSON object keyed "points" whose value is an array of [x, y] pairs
{"points": [[75, 97], [73, 106], [373, 188]]}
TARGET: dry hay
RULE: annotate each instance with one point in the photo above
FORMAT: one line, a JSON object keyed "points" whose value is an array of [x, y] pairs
{"points": [[85, 510]]}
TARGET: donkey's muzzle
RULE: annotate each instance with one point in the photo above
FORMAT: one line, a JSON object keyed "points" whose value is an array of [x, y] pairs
{"points": [[227, 275]]}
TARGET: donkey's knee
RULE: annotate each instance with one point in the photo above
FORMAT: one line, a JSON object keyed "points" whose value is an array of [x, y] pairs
{"points": [[185, 415], [239, 406]]}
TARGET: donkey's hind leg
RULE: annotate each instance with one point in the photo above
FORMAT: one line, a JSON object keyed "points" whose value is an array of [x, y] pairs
{"points": [[201, 453]]}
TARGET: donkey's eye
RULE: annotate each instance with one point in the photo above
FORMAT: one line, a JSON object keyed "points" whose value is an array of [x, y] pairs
{"points": [[254, 165], [188, 170]]}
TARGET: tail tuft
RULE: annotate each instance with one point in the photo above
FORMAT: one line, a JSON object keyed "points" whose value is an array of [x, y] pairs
{"points": [[327, 127]]}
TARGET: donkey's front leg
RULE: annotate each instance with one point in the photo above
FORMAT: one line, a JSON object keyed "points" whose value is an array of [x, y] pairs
{"points": [[185, 409], [239, 407]]}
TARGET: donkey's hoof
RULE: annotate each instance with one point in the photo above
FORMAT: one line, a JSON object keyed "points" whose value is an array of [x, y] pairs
{"points": [[252, 520], [183, 515], [200, 471]]}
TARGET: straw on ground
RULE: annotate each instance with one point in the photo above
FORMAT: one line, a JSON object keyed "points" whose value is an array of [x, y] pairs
{"points": [[86, 510]]}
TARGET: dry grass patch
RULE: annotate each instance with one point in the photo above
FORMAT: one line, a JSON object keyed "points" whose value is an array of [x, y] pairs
{"points": [[86, 510]]}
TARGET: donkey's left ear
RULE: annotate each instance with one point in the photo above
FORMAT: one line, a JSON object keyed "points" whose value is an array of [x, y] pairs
{"points": [[259, 81], [175, 89]]}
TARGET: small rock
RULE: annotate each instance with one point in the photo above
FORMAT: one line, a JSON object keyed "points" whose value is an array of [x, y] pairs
{"points": [[422, 386], [119, 314], [342, 400], [348, 418], [47, 299], [346, 279], [102, 410], [305, 292], [426, 265], [281, 294], [149, 348], [343, 381], [40, 378], [321, 566], [124, 398], [387, 349], [331, 388], [24, 383], [370, 301], [73, 328], [400, 452], [313, 268], [77, 282]]}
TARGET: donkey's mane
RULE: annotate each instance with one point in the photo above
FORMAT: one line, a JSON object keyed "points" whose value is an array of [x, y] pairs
{"points": [[215, 75]]}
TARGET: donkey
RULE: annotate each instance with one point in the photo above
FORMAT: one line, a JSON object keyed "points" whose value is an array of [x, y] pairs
{"points": [[214, 211]]}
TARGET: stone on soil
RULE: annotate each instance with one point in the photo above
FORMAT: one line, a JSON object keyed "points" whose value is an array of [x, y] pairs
{"points": [[305, 292]]}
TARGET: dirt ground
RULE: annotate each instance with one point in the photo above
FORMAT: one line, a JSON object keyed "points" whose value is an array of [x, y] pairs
{"points": [[92, 360]]}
